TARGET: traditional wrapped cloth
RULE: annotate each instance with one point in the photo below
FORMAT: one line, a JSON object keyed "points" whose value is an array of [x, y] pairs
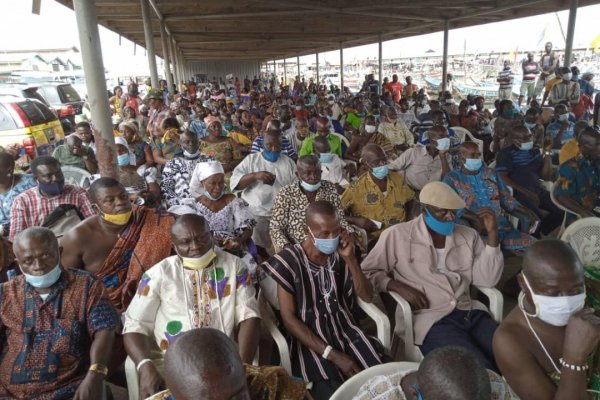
{"points": [[142, 243]]}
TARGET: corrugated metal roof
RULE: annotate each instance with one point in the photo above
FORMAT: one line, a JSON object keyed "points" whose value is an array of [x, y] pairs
{"points": [[272, 29]]}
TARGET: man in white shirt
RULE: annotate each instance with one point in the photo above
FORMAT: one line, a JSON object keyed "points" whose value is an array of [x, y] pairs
{"points": [[407, 113], [396, 131], [200, 287], [260, 176], [333, 168]]}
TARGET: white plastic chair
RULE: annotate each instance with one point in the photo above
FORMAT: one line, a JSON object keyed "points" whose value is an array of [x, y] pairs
{"points": [[584, 237], [411, 351], [78, 177], [342, 138], [463, 134], [565, 209], [350, 388], [266, 306]]}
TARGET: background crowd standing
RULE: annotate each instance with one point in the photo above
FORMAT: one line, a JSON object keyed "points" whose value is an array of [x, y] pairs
{"points": [[307, 202]]}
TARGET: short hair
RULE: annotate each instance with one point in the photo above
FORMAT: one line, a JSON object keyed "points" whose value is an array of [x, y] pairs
{"points": [[170, 122], [555, 251], [321, 141], [102, 183], [320, 207], [532, 112], [309, 159], [36, 232], [7, 159], [200, 352], [84, 124], [189, 218], [43, 160], [453, 373], [503, 104]]}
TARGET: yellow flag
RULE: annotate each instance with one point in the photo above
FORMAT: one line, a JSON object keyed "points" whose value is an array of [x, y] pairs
{"points": [[595, 45]]}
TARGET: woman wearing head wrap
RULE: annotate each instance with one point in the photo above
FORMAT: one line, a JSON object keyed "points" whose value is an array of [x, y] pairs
{"points": [[230, 221], [221, 148], [141, 151]]}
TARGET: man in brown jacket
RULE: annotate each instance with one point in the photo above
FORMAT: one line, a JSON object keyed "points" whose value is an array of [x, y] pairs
{"points": [[431, 262]]}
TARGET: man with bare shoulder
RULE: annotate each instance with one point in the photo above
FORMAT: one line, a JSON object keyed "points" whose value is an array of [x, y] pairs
{"points": [[119, 243]]}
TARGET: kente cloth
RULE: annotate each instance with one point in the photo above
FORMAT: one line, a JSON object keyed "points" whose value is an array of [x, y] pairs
{"points": [[142, 243]]}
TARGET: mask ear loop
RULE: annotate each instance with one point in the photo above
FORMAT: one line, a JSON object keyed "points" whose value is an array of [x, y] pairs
{"points": [[522, 297]]}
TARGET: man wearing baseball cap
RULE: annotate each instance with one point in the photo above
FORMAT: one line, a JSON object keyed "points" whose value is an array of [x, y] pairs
{"points": [[431, 261]]}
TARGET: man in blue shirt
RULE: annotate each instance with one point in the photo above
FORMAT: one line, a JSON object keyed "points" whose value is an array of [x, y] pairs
{"points": [[561, 129], [521, 166]]}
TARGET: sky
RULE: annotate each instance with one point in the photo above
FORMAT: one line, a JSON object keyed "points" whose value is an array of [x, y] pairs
{"points": [[56, 28]]}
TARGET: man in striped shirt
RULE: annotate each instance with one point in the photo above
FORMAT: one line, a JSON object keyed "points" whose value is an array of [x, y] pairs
{"points": [[531, 69], [34, 205], [505, 79], [286, 147]]}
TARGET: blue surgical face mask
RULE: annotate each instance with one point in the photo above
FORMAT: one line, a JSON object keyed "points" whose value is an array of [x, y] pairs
{"points": [[52, 189], [563, 117], [123, 159], [326, 246], [271, 156], [443, 228], [527, 146], [443, 144], [473, 164], [380, 172], [419, 394], [309, 187], [512, 112], [325, 158], [530, 126], [228, 127], [187, 154], [43, 281]]}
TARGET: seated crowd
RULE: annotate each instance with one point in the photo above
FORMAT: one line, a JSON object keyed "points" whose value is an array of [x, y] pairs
{"points": [[309, 204]]}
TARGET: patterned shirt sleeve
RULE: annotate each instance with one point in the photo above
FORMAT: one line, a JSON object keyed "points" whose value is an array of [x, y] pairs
{"points": [[17, 217], [242, 218], [100, 312], [257, 145], [281, 271], [167, 184], [566, 183], [288, 149], [140, 316], [507, 201], [246, 306], [278, 220], [85, 205]]}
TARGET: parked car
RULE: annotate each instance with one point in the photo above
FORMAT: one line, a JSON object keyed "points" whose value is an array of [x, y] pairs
{"points": [[30, 124], [63, 98], [60, 97]]}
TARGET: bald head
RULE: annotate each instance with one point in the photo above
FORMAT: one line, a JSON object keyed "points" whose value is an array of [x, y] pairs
{"points": [[548, 258], [189, 221], [453, 373], [307, 161], [211, 364], [321, 145], [73, 140], [371, 152]]}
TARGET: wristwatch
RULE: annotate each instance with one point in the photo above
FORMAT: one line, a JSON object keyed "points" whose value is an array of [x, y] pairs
{"points": [[99, 368]]}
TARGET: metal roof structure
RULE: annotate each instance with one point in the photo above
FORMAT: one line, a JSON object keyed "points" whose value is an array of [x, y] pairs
{"points": [[262, 30]]}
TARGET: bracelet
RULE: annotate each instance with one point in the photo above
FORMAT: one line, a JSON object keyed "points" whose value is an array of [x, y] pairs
{"points": [[99, 368], [578, 368], [141, 363], [326, 352]]}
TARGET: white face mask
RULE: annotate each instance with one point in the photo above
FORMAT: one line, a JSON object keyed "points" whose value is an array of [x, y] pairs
{"points": [[554, 310], [443, 144], [370, 128]]}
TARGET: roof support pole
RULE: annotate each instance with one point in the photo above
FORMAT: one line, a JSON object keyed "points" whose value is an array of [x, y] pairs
{"points": [[298, 64], [571, 33], [166, 57], [275, 70], [380, 64], [93, 67], [147, 20], [172, 85], [284, 72], [445, 56], [341, 68], [317, 56]]}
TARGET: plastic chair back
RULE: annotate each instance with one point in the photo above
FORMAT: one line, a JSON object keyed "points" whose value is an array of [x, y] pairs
{"points": [[463, 134], [584, 237]]}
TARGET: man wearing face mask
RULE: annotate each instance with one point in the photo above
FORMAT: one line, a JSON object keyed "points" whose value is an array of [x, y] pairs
{"points": [[354, 116], [323, 130], [561, 130], [547, 347], [260, 176], [565, 90], [126, 239], [530, 121], [286, 147], [425, 163], [521, 166], [578, 184], [481, 188], [330, 345], [177, 173], [368, 135], [34, 205], [57, 326], [508, 119], [431, 261], [289, 208], [396, 131], [199, 287], [379, 198]]}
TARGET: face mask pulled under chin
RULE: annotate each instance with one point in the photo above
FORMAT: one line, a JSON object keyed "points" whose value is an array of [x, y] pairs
{"points": [[198, 263], [44, 281], [553, 310]]}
